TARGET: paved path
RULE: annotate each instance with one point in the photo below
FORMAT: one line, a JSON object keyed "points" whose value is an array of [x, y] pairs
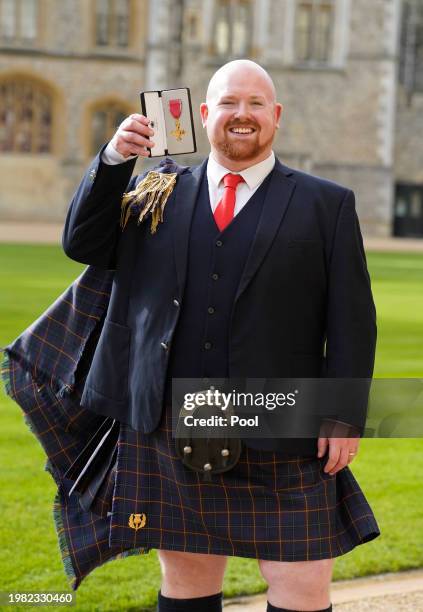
{"points": [[398, 592], [46, 233], [50, 233]]}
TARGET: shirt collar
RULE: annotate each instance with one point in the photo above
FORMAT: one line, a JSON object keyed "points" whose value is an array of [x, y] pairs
{"points": [[253, 175]]}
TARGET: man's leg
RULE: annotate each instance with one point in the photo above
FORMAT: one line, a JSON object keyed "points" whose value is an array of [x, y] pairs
{"points": [[191, 581], [298, 585]]}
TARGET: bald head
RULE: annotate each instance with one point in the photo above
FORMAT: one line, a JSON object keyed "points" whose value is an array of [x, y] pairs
{"points": [[242, 70], [240, 114]]}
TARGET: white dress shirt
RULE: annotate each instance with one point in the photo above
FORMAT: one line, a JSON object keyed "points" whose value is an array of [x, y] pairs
{"points": [[253, 176], [111, 156]]}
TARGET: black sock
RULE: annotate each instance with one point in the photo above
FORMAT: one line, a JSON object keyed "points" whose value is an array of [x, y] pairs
{"points": [[271, 608], [209, 603]]}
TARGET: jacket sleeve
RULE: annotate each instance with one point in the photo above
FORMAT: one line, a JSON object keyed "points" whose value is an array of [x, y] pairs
{"points": [[351, 320], [91, 231]]}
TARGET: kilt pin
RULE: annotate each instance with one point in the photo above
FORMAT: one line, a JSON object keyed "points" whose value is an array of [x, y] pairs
{"points": [[272, 505]]}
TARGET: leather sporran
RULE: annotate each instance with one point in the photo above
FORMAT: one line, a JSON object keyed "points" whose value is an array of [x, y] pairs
{"points": [[206, 455]]}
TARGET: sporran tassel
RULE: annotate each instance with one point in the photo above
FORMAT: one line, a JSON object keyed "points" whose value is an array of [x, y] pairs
{"points": [[152, 192]]}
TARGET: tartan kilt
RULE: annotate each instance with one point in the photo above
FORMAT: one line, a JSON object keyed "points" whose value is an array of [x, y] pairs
{"points": [[271, 505]]}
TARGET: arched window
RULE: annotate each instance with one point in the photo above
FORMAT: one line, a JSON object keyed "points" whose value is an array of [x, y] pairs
{"points": [[104, 121], [26, 117]]}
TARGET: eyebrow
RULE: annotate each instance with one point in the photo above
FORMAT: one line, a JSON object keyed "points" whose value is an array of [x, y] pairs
{"points": [[233, 96]]}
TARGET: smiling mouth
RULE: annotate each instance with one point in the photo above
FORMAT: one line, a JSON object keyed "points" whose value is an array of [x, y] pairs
{"points": [[242, 130]]}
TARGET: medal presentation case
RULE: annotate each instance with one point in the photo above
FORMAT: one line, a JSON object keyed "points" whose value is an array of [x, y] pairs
{"points": [[170, 115]]}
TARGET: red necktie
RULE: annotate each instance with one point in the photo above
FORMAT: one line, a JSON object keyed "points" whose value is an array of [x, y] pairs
{"points": [[224, 212]]}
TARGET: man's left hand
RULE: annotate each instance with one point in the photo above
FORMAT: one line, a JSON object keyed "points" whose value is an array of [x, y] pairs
{"points": [[342, 450]]}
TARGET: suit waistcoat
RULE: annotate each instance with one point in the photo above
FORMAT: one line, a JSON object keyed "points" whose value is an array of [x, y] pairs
{"points": [[199, 347]]}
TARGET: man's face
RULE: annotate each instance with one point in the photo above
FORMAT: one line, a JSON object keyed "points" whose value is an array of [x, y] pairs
{"points": [[241, 117]]}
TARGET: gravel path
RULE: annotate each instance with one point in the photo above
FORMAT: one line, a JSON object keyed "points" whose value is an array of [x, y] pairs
{"points": [[390, 592], [409, 602]]}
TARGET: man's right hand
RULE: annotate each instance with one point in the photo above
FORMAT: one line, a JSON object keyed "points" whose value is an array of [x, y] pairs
{"points": [[132, 136]]}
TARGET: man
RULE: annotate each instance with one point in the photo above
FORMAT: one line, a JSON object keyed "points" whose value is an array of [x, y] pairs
{"points": [[254, 268]]}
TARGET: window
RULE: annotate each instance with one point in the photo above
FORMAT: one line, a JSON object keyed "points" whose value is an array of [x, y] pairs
{"points": [[408, 220], [104, 122], [18, 21], [25, 117], [191, 28], [233, 28], [411, 57], [112, 19], [314, 31]]}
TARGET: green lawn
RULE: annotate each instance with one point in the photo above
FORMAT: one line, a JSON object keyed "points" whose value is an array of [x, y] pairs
{"points": [[389, 471]]}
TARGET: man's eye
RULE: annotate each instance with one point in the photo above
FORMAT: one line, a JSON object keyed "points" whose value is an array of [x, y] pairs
{"points": [[257, 103]]}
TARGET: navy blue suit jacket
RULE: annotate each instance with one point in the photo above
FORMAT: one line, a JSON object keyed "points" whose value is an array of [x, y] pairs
{"points": [[303, 308]]}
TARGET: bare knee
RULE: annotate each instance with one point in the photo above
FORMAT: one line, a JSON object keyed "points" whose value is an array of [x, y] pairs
{"points": [[298, 583], [171, 560], [191, 574]]}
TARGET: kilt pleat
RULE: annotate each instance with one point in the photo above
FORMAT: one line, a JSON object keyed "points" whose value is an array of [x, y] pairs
{"points": [[271, 505]]}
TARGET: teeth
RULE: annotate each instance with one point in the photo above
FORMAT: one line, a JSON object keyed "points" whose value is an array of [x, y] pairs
{"points": [[242, 130]]}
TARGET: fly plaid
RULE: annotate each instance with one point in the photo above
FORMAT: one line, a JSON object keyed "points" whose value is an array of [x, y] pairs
{"points": [[44, 371], [269, 506]]}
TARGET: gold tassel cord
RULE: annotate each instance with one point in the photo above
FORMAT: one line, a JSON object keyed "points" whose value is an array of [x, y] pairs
{"points": [[153, 191]]}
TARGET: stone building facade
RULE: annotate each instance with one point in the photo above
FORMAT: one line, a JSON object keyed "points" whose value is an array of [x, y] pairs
{"points": [[83, 72], [347, 72]]}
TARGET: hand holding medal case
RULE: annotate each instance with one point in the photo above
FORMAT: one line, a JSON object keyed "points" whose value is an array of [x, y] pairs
{"points": [[170, 114]]}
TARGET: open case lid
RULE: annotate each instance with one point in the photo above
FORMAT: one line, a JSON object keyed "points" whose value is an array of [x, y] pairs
{"points": [[170, 114]]}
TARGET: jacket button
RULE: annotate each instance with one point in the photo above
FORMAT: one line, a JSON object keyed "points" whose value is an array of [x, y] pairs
{"points": [[207, 345], [219, 243], [215, 276], [210, 310], [176, 303], [164, 345]]}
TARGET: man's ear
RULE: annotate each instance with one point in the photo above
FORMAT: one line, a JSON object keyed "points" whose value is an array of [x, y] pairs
{"points": [[278, 113], [204, 112]]}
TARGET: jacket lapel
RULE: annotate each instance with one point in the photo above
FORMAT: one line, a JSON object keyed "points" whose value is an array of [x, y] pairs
{"points": [[276, 202], [185, 199]]}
